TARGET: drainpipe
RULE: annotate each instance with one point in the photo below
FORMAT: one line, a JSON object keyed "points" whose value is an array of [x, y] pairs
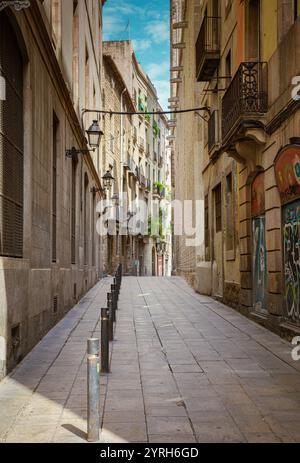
{"points": [[122, 148]]}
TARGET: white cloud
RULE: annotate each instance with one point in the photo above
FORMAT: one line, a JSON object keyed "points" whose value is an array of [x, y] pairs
{"points": [[163, 92], [141, 45], [158, 30], [157, 70], [113, 25]]}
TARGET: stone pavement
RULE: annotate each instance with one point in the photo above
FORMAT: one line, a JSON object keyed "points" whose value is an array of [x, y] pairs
{"points": [[184, 369]]}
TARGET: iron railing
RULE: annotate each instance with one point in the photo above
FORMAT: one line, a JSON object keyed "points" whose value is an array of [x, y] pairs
{"points": [[208, 48], [246, 96]]}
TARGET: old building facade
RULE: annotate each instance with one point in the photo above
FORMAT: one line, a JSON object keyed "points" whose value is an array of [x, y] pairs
{"points": [[144, 162], [51, 62], [248, 148]]}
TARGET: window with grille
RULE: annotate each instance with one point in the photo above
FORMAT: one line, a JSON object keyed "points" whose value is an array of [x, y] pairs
{"points": [[11, 144], [218, 208]]}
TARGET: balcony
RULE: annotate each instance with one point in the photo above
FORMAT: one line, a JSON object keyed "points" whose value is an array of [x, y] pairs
{"points": [[141, 144], [148, 150], [130, 164], [213, 131], [208, 48], [142, 180], [134, 135], [148, 184], [245, 100]]}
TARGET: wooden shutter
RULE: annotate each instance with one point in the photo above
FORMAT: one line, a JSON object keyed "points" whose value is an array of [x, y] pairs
{"points": [[11, 144]]}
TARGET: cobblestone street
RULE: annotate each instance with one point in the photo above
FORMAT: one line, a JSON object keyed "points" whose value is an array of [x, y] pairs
{"points": [[184, 368]]}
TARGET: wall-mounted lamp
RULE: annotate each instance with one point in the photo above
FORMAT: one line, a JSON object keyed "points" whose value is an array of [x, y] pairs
{"points": [[94, 134], [108, 180]]}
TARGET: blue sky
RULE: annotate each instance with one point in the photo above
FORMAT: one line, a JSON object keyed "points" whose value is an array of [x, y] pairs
{"points": [[149, 32]]}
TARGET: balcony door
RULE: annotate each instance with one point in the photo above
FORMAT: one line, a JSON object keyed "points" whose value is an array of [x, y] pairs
{"points": [[253, 31]]}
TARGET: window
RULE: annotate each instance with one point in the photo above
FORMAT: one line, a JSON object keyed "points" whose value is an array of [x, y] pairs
{"points": [[54, 184], [73, 213], [229, 213], [228, 68], [206, 220], [85, 218], [93, 230], [218, 208], [11, 144]]}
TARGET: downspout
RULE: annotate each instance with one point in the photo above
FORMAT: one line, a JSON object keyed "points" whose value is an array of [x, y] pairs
{"points": [[122, 149]]}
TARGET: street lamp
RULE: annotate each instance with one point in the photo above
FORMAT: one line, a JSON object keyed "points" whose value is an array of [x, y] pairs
{"points": [[108, 180], [94, 134]]}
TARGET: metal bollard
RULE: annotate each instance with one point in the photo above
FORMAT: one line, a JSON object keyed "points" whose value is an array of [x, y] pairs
{"points": [[111, 316], [104, 341], [115, 299], [93, 399]]}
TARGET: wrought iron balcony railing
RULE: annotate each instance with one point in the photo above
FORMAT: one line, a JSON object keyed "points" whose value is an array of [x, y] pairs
{"points": [[246, 98], [208, 48], [213, 130]]}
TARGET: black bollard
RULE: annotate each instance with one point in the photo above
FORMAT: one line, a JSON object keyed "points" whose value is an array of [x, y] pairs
{"points": [[111, 316], [104, 341]]}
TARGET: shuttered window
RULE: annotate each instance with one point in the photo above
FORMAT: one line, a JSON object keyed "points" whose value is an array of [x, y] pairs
{"points": [[218, 208], [11, 144]]}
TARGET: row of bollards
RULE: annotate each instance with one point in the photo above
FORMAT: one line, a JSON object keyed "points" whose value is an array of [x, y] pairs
{"points": [[98, 359]]}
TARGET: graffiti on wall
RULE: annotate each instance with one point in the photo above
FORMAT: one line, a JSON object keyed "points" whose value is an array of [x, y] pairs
{"points": [[259, 264], [258, 195], [287, 170], [292, 262]]}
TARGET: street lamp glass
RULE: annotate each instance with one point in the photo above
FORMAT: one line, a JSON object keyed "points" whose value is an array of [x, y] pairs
{"points": [[94, 134], [108, 179]]}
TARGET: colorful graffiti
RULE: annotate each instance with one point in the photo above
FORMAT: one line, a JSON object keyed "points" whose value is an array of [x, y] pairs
{"points": [[287, 170], [292, 262], [258, 195], [259, 264]]}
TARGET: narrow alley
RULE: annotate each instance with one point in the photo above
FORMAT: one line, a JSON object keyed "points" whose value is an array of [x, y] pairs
{"points": [[184, 369]]}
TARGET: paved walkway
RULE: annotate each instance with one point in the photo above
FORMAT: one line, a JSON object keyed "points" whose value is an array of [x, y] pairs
{"points": [[184, 369]]}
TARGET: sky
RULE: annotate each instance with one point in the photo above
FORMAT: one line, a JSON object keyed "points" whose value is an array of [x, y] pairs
{"points": [[146, 23]]}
